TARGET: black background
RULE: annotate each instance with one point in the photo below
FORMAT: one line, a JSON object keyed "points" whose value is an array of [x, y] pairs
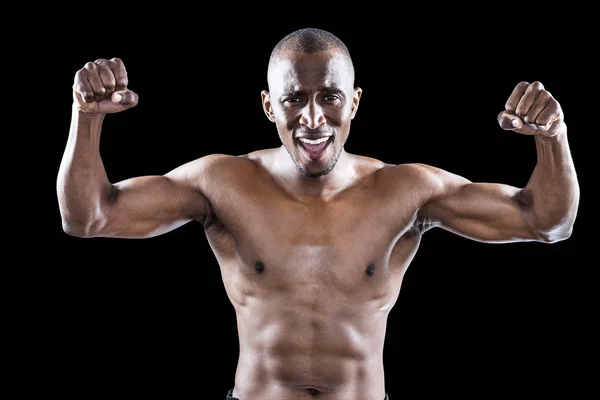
{"points": [[139, 318]]}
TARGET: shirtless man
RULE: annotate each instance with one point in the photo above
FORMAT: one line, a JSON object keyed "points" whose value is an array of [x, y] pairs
{"points": [[312, 241]]}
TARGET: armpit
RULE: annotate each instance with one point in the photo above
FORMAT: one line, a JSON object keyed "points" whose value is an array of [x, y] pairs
{"points": [[419, 227]]}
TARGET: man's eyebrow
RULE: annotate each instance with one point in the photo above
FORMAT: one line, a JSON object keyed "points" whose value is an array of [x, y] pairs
{"points": [[291, 93], [332, 89]]}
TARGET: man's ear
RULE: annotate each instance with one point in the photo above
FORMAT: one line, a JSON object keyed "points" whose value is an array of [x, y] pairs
{"points": [[355, 101], [266, 103]]}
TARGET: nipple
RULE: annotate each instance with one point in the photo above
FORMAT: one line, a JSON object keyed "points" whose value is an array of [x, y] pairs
{"points": [[370, 270], [259, 267]]}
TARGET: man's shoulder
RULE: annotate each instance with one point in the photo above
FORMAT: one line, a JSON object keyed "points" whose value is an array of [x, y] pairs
{"points": [[216, 167], [222, 162], [408, 169], [420, 174], [376, 164]]}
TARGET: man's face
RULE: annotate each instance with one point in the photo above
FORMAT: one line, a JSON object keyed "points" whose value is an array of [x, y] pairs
{"points": [[312, 102]]}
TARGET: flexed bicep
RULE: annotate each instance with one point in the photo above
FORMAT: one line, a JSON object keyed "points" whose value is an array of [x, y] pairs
{"points": [[544, 210], [487, 212], [148, 206]]}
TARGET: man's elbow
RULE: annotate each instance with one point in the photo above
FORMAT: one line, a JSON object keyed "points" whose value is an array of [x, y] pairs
{"points": [[80, 229], [556, 234]]}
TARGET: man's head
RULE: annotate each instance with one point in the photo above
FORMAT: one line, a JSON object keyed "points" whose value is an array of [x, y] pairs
{"points": [[311, 97]]}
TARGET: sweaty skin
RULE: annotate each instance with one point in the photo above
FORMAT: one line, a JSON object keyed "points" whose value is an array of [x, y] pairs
{"points": [[312, 244]]}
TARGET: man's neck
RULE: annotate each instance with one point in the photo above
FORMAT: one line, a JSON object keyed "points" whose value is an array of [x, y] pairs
{"points": [[323, 187]]}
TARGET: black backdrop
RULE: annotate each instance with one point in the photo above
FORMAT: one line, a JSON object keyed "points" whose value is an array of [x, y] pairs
{"points": [[141, 318]]}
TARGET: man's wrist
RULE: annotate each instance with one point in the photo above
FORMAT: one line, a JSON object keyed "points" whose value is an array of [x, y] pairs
{"points": [[558, 137], [88, 116]]}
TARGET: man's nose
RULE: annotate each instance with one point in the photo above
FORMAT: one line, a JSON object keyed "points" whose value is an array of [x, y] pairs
{"points": [[312, 116]]}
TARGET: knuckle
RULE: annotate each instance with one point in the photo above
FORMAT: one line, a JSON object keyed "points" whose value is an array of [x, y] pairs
{"points": [[537, 85], [542, 121], [80, 74], [90, 66], [87, 96], [544, 95], [117, 63]]}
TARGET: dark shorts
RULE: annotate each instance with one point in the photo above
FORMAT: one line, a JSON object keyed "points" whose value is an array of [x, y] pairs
{"points": [[230, 396]]}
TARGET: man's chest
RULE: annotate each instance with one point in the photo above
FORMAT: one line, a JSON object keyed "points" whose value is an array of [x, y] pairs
{"points": [[343, 242]]}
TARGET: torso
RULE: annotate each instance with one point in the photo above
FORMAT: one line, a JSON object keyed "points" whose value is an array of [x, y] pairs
{"points": [[312, 281]]}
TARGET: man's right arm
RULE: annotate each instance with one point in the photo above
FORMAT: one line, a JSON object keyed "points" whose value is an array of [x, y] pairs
{"points": [[92, 206]]}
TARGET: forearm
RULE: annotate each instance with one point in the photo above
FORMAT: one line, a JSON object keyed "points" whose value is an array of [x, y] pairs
{"points": [[83, 187], [552, 193]]}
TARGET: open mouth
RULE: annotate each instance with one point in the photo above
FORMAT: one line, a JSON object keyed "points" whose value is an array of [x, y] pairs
{"points": [[315, 148]]}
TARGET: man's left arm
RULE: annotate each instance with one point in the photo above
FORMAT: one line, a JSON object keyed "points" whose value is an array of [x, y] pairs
{"points": [[544, 210]]}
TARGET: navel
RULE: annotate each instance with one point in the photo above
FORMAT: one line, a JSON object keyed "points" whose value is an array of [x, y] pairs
{"points": [[370, 270], [259, 267]]}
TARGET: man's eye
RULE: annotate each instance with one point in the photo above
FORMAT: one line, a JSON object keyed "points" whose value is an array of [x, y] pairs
{"points": [[291, 100], [330, 97]]}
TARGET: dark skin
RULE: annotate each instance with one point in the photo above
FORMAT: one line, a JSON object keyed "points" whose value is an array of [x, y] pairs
{"points": [[312, 245]]}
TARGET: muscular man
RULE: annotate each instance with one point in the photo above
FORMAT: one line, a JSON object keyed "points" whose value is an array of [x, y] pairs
{"points": [[312, 241]]}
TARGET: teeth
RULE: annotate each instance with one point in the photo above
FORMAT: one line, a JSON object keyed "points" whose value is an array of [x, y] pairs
{"points": [[316, 141]]}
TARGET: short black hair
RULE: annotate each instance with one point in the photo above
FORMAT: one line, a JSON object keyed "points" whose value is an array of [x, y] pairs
{"points": [[310, 40]]}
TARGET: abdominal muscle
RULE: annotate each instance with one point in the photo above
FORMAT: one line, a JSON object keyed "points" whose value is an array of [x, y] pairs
{"points": [[289, 350]]}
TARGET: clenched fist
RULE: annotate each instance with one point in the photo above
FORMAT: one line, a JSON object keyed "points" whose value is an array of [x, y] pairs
{"points": [[101, 87], [531, 110]]}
